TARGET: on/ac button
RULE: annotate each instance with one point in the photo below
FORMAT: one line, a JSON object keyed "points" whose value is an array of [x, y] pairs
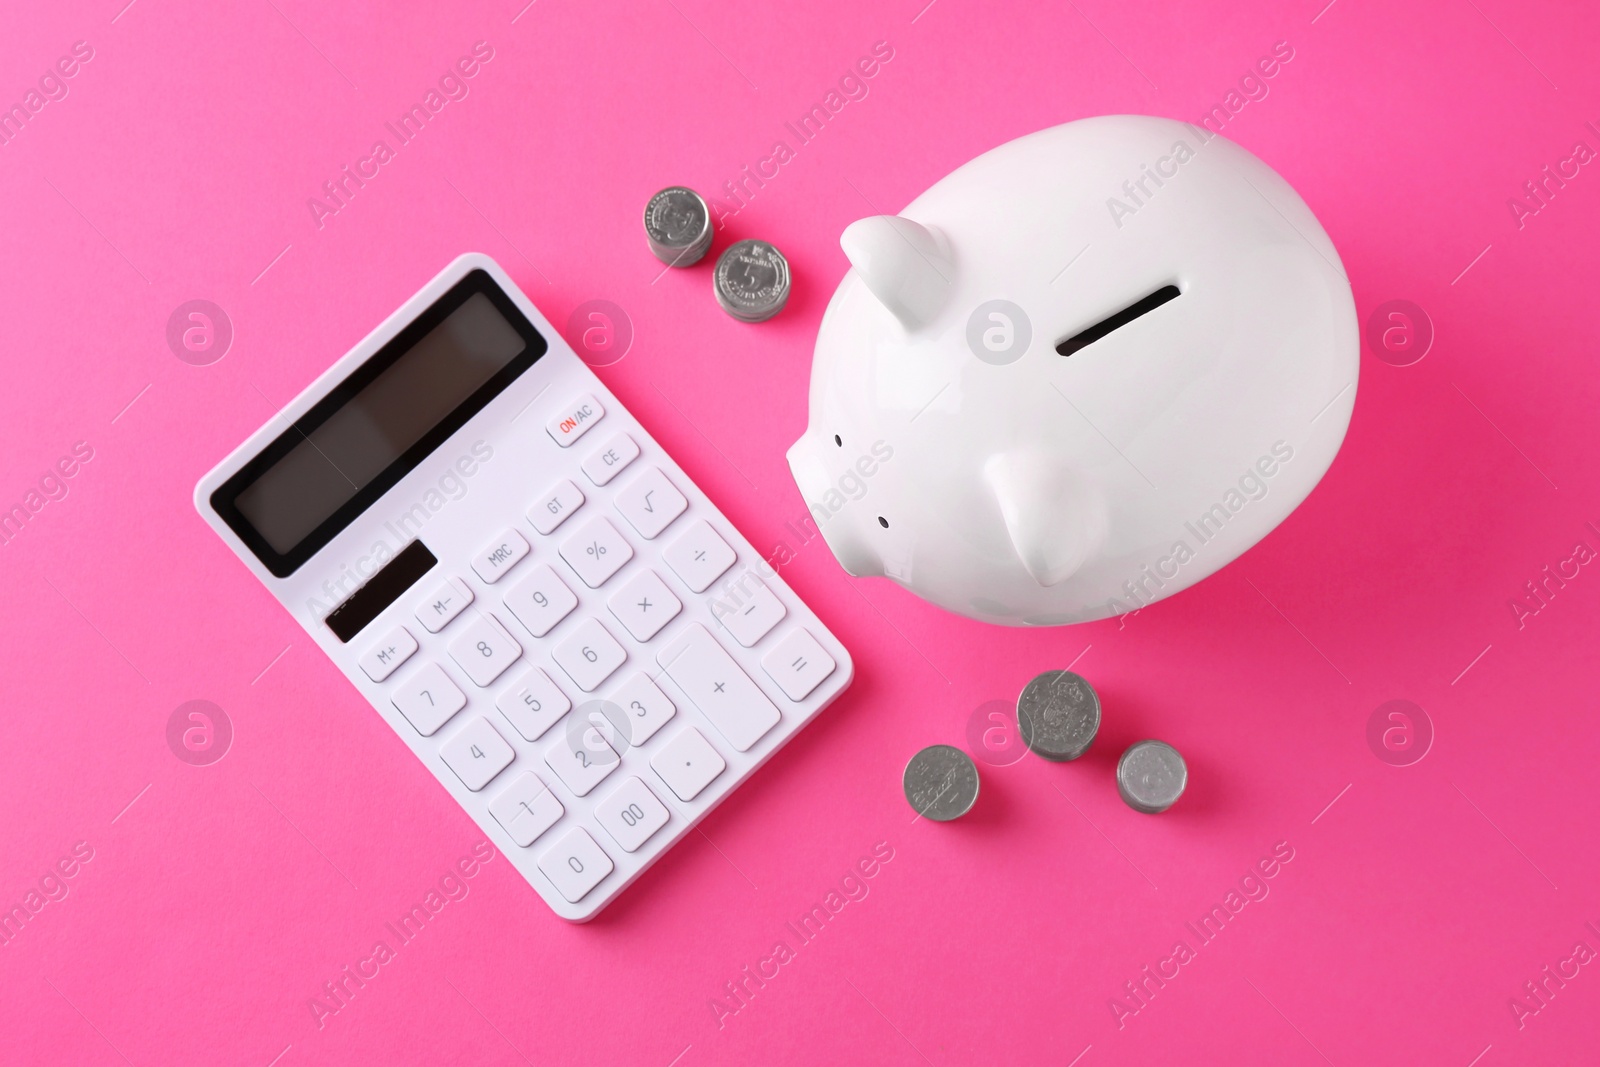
{"points": [[574, 421]]}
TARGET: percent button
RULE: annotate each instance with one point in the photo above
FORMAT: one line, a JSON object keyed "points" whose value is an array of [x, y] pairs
{"points": [[596, 551]]}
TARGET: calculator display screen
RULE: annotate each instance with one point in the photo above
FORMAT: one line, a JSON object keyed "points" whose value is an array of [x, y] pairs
{"points": [[379, 423]]}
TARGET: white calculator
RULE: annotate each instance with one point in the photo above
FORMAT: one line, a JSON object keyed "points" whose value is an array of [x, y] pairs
{"points": [[568, 634]]}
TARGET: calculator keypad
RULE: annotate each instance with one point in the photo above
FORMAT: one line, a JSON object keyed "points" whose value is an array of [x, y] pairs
{"points": [[541, 600], [598, 702], [596, 551], [650, 503], [553, 508], [589, 655], [484, 650], [447, 600], [428, 699], [699, 556], [477, 753], [575, 864], [644, 605], [526, 809]]}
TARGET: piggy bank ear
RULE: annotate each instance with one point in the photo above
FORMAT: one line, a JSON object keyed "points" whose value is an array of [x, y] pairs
{"points": [[1055, 517], [906, 265]]}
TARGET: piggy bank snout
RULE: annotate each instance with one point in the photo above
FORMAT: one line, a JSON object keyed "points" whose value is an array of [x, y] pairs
{"points": [[840, 528]]}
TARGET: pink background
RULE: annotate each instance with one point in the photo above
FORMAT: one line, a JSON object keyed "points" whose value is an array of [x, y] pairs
{"points": [[220, 899]]}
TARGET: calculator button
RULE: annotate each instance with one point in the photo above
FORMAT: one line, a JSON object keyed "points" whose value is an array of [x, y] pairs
{"points": [[381, 659], [477, 753], [699, 556], [448, 599], [644, 605], [575, 420], [428, 699], [687, 764], [495, 560], [608, 462], [645, 708], [484, 650], [541, 600], [650, 503], [552, 509], [533, 704], [705, 671], [748, 609], [631, 814], [798, 664], [575, 864], [527, 809], [582, 758], [596, 551], [589, 655]]}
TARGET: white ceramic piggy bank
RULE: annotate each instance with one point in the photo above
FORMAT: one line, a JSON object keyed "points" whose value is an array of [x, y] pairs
{"points": [[1077, 375]]}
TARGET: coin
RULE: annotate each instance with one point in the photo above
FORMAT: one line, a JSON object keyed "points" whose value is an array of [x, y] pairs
{"points": [[752, 281], [1058, 714], [1151, 776], [677, 224], [941, 782]]}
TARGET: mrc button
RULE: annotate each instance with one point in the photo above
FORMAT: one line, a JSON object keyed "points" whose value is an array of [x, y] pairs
{"points": [[575, 419]]}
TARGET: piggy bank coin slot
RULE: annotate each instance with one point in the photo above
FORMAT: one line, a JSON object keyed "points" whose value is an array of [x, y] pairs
{"points": [[1119, 320]]}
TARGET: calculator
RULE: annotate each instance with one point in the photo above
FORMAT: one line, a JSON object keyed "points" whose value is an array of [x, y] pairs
{"points": [[569, 635]]}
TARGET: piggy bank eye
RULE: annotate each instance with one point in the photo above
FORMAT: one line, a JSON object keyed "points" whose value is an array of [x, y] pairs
{"points": [[883, 522], [837, 441]]}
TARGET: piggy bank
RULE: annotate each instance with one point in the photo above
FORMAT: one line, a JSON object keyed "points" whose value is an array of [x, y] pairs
{"points": [[1078, 374]]}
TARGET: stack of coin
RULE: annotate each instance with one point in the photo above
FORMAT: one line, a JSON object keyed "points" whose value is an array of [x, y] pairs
{"points": [[1058, 714], [941, 783], [1151, 776], [677, 223], [752, 281]]}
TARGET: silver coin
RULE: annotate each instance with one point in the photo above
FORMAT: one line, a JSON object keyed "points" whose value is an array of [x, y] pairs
{"points": [[941, 783], [1151, 776], [752, 281], [677, 225], [1058, 714]]}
